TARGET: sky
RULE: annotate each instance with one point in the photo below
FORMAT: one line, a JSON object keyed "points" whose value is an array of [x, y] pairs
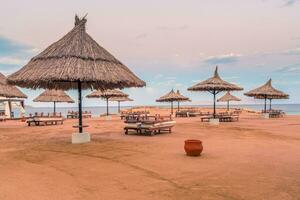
{"points": [[170, 44]]}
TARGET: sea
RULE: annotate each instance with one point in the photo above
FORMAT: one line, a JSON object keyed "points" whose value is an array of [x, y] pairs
{"points": [[290, 109]]}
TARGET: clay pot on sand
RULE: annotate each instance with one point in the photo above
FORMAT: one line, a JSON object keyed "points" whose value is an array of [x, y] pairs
{"points": [[193, 147]]}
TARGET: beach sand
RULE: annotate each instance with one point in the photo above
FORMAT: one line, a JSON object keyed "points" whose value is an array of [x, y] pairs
{"points": [[254, 158]]}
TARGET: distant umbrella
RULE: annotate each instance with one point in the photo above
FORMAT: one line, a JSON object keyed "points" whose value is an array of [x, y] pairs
{"points": [[9, 91], [267, 91], [227, 98], [172, 97], [76, 61], [107, 95], [119, 100], [54, 96], [214, 86]]}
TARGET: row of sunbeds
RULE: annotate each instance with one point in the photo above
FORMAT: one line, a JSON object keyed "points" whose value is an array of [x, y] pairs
{"points": [[148, 124]]}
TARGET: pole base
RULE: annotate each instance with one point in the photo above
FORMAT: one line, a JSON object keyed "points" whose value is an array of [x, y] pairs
{"points": [[80, 138], [214, 122], [265, 116]]}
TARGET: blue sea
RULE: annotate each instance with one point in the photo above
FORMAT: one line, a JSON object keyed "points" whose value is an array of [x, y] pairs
{"points": [[290, 109]]}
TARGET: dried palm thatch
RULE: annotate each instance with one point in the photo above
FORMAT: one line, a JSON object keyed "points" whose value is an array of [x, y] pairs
{"points": [[171, 97], [75, 61], [227, 98], [75, 57], [107, 94], [267, 91], [120, 99], [215, 85], [9, 91], [54, 96]]}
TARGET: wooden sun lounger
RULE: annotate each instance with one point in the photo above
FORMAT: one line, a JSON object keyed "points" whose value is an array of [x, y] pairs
{"points": [[229, 118], [206, 118], [44, 121]]}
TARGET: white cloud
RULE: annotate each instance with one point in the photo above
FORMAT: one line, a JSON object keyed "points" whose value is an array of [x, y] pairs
{"points": [[12, 60], [223, 59], [292, 52]]}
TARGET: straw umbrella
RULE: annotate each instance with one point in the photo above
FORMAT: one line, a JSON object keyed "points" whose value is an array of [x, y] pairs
{"points": [[119, 100], [267, 91], [183, 99], [107, 95], [215, 85], [75, 61], [227, 98], [9, 91], [54, 96], [171, 97]]}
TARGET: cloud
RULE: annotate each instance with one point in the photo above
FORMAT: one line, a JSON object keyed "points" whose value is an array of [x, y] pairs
{"points": [[292, 52], [7, 60], [141, 36], [10, 47], [173, 28], [223, 59], [290, 2], [290, 69]]}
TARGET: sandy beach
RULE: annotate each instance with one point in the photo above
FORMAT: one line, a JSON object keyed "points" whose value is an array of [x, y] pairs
{"points": [[251, 159]]}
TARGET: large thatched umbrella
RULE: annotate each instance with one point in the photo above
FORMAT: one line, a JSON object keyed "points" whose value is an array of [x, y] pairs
{"points": [[183, 99], [10, 91], [75, 61], [119, 100], [267, 91], [54, 96], [172, 97], [215, 85], [227, 98], [107, 95]]}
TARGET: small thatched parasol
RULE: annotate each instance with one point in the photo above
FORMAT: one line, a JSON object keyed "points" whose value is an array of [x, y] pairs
{"points": [[9, 91], [214, 86], [107, 95], [171, 97], [54, 96], [75, 61], [119, 100], [227, 98], [267, 91]]}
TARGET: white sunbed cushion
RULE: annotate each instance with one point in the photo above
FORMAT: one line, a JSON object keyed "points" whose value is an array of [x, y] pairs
{"points": [[159, 124]]}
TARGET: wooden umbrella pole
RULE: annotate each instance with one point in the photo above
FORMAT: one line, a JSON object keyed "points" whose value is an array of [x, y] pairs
{"points": [[119, 109], [172, 107], [54, 106], [265, 109], [270, 104], [80, 107], [227, 105], [107, 106], [178, 107], [214, 93]]}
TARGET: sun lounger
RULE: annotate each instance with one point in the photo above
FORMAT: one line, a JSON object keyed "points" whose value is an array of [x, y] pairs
{"points": [[206, 118], [44, 121]]}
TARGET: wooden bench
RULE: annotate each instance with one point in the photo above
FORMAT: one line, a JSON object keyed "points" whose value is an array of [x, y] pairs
{"points": [[206, 118], [44, 121]]}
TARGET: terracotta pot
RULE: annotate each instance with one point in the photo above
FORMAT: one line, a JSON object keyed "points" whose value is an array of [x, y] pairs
{"points": [[193, 147]]}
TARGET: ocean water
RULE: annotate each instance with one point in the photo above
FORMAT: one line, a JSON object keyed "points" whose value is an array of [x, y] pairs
{"points": [[290, 109]]}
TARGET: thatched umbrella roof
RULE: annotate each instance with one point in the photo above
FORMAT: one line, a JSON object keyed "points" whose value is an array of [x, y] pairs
{"points": [[215, 83], [54, 96], [75, 57], [228, 97], [121, 99], [172, 96], [9, 91], [267, 91], [106, 94]]}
